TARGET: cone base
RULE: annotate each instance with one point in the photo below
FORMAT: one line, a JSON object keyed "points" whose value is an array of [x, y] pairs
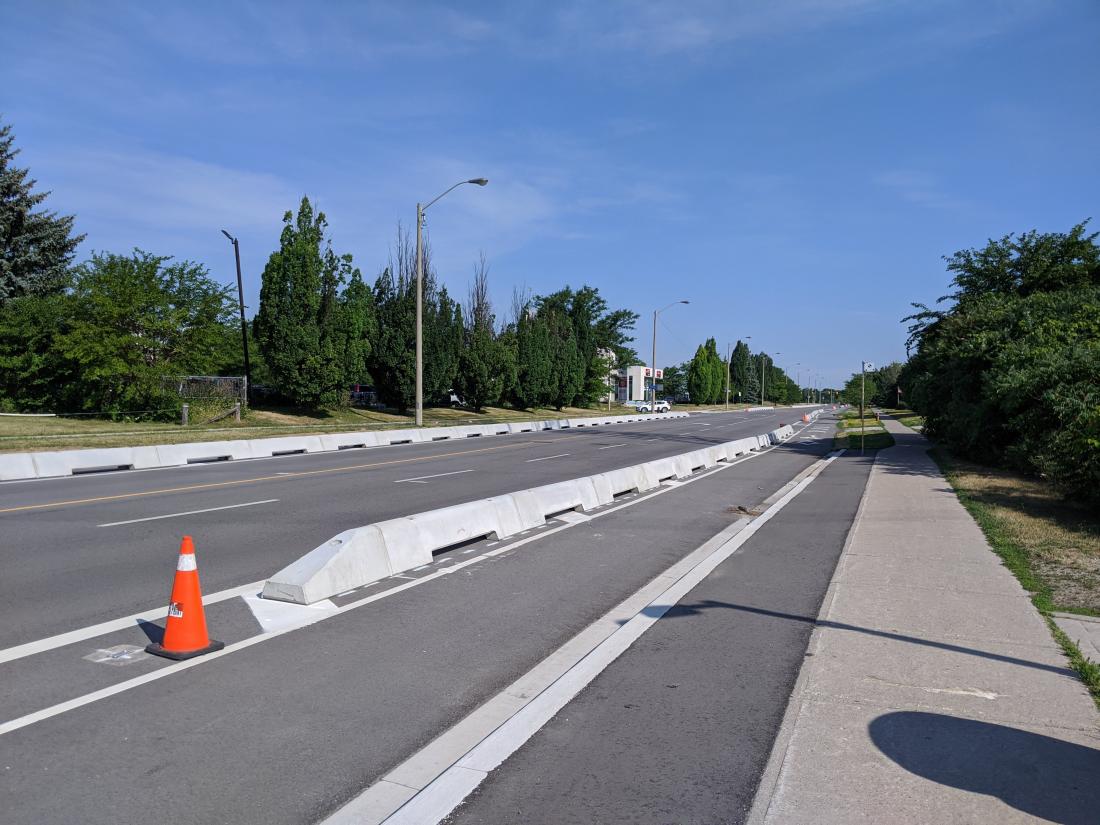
{"points": [[179, 655]]}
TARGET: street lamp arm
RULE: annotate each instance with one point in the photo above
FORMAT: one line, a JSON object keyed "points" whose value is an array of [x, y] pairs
{"points": [[477, 181]]}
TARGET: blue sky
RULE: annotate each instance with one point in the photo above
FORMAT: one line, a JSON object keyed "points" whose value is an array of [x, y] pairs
{"points": [[795, 168]]}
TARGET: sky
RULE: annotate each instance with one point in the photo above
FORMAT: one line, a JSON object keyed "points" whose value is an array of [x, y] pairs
{"points": [[796, 169]]}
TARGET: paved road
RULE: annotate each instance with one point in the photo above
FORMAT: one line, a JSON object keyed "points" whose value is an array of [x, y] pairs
{"points": [[287, 730], [82, 550], [680, 727]]}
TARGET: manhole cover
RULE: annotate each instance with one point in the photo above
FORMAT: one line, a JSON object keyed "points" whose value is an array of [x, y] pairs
{"points": [[118, 655]]}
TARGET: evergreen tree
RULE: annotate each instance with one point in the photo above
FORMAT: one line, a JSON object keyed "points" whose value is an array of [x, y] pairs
{"points": [[716, 373], [740, 370], [698, 378], [393, 364], [533, 364], [359, 328], [300, 323], [36, 247]]}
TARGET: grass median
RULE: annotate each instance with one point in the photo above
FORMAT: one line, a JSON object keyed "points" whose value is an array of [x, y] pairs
{"points": [[855, 433], [1051, 544], [19, 434]]}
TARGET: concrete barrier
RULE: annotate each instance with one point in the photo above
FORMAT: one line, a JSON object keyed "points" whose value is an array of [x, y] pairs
{"points": [[359, 556], [14, 466], [55, 463]]}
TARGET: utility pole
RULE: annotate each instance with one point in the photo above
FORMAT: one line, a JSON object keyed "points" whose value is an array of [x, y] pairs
{"points": [[244, 327], [763, 357]]}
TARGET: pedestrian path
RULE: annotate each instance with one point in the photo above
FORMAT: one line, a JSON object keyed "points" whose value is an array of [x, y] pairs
{"points": [[932, 691]]}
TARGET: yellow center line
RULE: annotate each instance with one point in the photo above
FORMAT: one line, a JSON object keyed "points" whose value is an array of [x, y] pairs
{"points": [[283, 477]]}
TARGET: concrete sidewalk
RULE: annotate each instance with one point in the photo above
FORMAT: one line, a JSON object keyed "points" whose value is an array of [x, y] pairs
{"points": [[932, 691]]}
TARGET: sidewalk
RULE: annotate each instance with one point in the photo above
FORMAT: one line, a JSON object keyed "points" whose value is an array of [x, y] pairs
{"points": [[932, 691]]}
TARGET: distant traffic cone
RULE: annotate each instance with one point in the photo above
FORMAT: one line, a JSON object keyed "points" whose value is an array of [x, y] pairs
{"points": [[185, 631], [806, 418]]}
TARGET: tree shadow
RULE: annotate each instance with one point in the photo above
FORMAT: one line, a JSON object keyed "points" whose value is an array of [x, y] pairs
{"points": [[1042, 776], [694, 609]]}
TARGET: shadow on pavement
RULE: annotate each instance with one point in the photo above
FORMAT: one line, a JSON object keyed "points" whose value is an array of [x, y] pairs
{"points": [[682, 610], [1039, 775]]}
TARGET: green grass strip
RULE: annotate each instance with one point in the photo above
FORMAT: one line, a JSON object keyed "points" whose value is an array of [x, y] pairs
{"points": [[1016, 559]]}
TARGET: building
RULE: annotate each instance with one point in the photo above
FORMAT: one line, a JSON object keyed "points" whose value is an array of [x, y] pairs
{"points": [[634, 383]]}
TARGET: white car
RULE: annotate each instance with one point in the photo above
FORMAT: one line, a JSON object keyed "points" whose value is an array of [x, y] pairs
{"points": [[659, 406]]}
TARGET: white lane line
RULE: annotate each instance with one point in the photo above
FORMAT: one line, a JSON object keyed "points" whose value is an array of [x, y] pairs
{"points": [[90, 632], [611, 446], [432, 802], [121, 687], [421, 479], [189, 512], [546, 458], [647, 440]]}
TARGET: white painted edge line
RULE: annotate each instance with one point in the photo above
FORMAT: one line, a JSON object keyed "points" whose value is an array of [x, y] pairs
{"points": [[420, 479], [546, 458], [188, 513], [119, 624], [50, 643], [611, 446], [436, 800]]}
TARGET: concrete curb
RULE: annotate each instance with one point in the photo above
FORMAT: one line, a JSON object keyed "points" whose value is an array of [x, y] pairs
{"points": [[365, 554], [60, 463]]}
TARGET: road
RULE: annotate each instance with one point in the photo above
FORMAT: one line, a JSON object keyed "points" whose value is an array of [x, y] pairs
{"points": [[95, 548], [287, 727]]}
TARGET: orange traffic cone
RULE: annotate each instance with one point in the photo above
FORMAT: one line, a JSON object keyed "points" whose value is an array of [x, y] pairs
{"points": [[185, 631], [806, 418]]}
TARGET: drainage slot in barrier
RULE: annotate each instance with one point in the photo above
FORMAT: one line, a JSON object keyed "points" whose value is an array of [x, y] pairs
{"points": [[440, 437], [79, 471], [287, 452], [544, 429], [473, 435], [351, 446], [629, 492], [402, 441], [466, 543], [556, 513], [209, 459]]}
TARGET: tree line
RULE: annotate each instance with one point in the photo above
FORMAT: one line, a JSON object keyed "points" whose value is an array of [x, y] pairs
{"points": [[105, 335], [1007, 371], [703, 379]]}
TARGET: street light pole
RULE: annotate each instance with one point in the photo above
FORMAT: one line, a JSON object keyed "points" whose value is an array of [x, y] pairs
{"points": [[653, 362], [244, 328], [420, 210], [728, 353]]}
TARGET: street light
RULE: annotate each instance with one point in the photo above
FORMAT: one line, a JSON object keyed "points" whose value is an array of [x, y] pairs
{"points": [[244, 329], [653, 363], [420, 210]]}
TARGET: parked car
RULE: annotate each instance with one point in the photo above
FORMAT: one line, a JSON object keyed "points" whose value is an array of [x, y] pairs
{"points": [[659, 406]]}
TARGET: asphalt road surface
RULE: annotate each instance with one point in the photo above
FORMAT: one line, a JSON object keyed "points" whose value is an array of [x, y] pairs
{"points": [[82, 550], [287, 727]]}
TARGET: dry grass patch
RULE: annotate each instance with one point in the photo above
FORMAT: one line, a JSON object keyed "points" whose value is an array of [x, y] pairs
{"points": [[1059, 539]]}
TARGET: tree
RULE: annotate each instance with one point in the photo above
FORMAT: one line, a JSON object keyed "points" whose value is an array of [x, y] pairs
{"points": [[700, 377], [482, 366], [299, 321], [36, 247], [675, 380], [126, 323], [533, 362]]}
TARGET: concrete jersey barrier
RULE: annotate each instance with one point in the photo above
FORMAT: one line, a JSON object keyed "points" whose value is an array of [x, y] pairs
{"points": [[56, 463], [361, 555]]}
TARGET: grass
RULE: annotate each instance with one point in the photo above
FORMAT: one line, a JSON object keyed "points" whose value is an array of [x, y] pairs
{"points": [[856, 433], [908, 418], [1050, 544], [25, 434]]}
